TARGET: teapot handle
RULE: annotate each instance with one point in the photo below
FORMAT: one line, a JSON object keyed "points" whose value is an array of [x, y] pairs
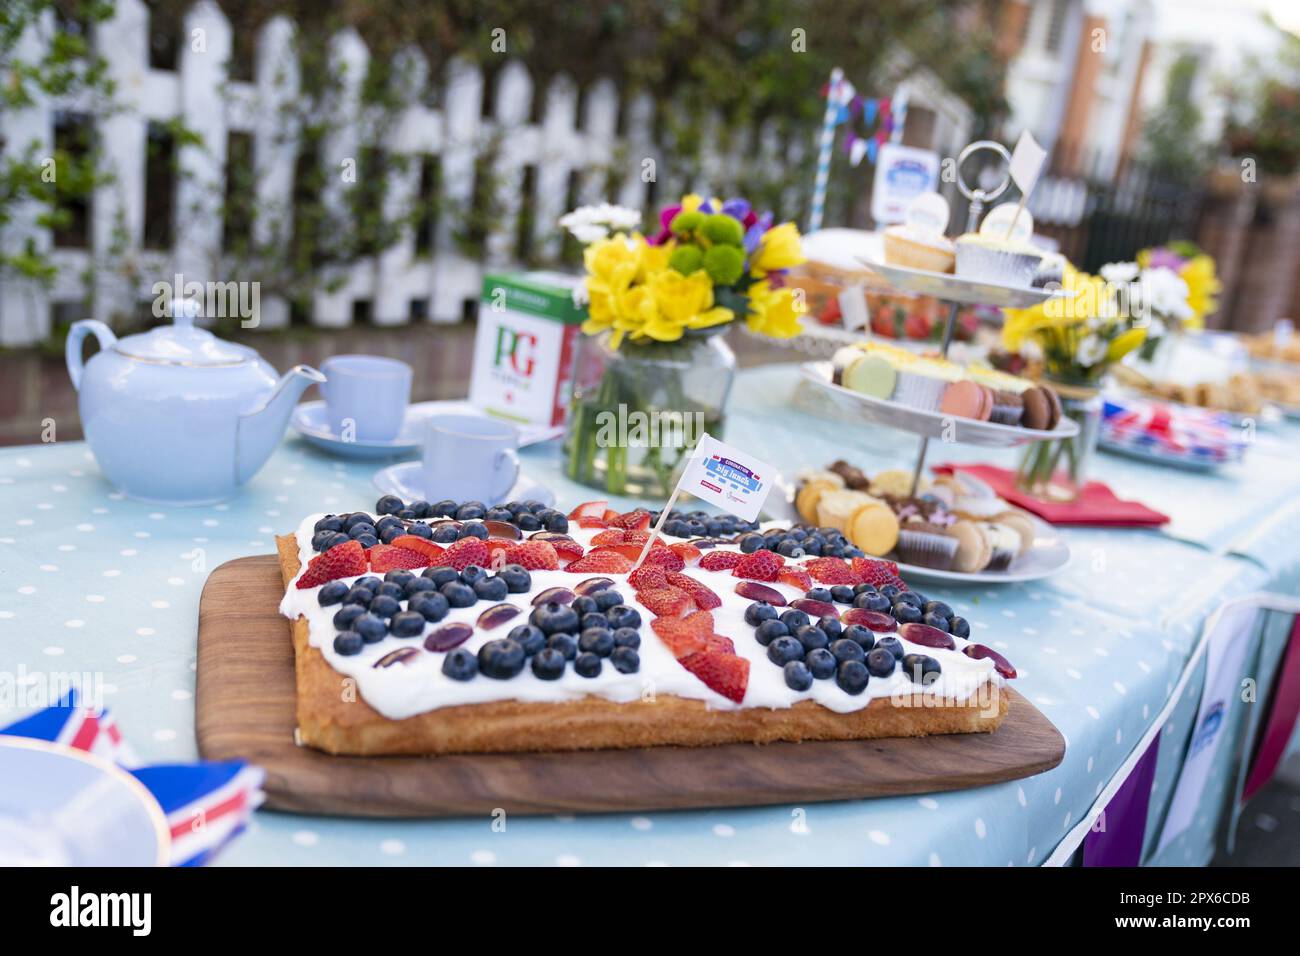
{"points": [[76, 336]]}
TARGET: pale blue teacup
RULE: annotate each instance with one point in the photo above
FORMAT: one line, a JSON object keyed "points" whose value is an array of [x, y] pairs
{"points": [[366, 396], [470, 458]]}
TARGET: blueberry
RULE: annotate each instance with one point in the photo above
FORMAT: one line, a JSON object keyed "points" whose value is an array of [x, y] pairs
{"points": [[750, 543], [842, 594], [529, 637], [959, 626], [820, 594], [758, 612], [890, 591], [831, 625], [362, 528], [812, 546], [420, 530], [499, 514], [389, 505], [625, 660], [398, 576], [852, 676], [332, 593], [596, 640], [769, 631], [627, 637], [369, 582], [881, 663], [583, 604], [548, 664], [384, 606], [782, 650], [620, 615], [794, 619], [565, 644], [473, 529], [501, 659], [441, 575], [471, 573], [445, 534], [790, 549], [594, 619], [909, 597], [846, 650], [555, 522], [937, 607], [371, 628], [322, 540], [906, 613], [328, 523], [431, 605], [821, 662], [348, 643], [458, 594], [460, 664], [797, 675], [587, 665], [872, 601], [532, 505], [936, 621], [527, 522], [859, 635], [356, 518], [607, 598], [390, 589], [418, 586], [470, 511], [406, 513], [335, 540], [407, 624], [811, 636], [891, 644], [390, 534], [921, 669], [491, 589], [347, 614], [553, 618], [443, 509], [358, 595], [366, 540], [518, 580]]}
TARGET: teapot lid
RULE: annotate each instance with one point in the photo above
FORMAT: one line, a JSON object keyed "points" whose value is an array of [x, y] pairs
{"points": [[183, 343]]}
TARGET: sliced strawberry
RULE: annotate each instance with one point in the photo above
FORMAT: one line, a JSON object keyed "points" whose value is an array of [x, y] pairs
{"points": [[648, 577], [719, 644], [635, 536], [533, 556], [704, 599], [666, 559], [610, 537], [762, 565], [465, 552], [387, 557], [589, 509], [877, 573], [680, 638], [831, 571], [638, 520], [600, 561], [720, 560], [686, 551], [567, 548], [666, 602], [341, 561], [611, 517], [795, 577], [424, 546], [590, 523], [727, 674], [498, 549]]}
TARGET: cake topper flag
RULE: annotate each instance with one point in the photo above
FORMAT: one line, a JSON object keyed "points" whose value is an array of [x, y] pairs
{"points": [[1026, 163], [722, 475]]}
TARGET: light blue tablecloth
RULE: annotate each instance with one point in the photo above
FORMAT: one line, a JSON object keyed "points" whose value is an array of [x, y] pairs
{"points": [[92, 582]]}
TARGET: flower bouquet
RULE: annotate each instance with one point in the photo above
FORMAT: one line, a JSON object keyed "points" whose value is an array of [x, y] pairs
{"points": [[654, 373]]}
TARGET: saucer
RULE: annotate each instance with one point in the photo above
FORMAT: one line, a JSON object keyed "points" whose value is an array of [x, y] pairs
{"points": [[311, 421], [405, 481]]}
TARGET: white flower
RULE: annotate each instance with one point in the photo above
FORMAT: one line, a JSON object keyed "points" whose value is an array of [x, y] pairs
{"points": [[591, 223], [1119, 271], [1091, 351], [1165, 293]]}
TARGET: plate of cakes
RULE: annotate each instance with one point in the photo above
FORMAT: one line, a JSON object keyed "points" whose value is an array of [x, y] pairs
{"points": [[953, 529], [882, 384]]}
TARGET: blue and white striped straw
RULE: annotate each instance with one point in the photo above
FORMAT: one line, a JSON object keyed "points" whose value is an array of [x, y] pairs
{"points": [[824, 150]]}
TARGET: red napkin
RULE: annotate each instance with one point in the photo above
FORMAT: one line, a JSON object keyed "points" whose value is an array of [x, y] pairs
{"points": [[1096, 505]]}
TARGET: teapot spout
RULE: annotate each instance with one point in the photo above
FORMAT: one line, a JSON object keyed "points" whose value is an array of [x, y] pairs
{"points": [[260, 430]]}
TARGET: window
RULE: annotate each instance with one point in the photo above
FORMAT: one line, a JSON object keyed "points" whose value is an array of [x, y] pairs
{"points": [[159, 187], [73, 142], [1058, 12]]}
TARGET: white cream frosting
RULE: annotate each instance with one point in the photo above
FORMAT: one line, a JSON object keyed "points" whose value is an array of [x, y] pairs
{"points": [[403, 690]]}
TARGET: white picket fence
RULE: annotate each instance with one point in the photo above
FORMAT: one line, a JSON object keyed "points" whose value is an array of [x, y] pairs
{"points": [[116, 273]]}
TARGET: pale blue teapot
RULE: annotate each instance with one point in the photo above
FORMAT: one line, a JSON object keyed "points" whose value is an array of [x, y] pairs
{"points": [[177, 415]]}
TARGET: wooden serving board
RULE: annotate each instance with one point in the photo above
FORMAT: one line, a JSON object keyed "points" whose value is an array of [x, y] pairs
{"points": [[244, 709]]}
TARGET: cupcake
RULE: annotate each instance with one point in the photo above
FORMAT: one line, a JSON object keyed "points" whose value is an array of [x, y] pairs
{"points": [[921, 384], [1050, 269], [990, 259], [915, 248], [926, 545], [1008, 408], [1005, 544]]}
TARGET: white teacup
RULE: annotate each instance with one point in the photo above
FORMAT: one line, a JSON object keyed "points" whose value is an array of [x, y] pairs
{"points": [[366, 396], [470, 457]]}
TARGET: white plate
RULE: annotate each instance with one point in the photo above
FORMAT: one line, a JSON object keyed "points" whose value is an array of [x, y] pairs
{"points": [[964, 431], [310, 421], [1158, 457], [75, 809], [945, 285], [406, 481]]}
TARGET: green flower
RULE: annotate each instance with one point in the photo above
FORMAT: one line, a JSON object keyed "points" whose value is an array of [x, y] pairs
{"points": [[724, 264], [723, 230], [685, 223], [686, 259]]}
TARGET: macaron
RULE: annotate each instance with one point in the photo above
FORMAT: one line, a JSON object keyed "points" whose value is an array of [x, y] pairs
{"points": [[1055, 401], [1038, 408], [871, 375], [973, 548], [965, 399], [874, 529]]}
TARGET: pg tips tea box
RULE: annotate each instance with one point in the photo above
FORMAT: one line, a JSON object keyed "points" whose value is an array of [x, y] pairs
{"points": [[523, 351]]}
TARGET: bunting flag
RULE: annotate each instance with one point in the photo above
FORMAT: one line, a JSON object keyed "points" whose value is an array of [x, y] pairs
{"points": [[844, 105], [1280, 723], [207, 804]]}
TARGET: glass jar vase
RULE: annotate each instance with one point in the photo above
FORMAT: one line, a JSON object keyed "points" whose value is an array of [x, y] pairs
{"points": [[1057, 470], [638, 410]]}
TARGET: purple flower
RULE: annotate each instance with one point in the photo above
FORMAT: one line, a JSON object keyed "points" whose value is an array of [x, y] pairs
{"points": [[755, 232], [1165, 258], [737, 209]]}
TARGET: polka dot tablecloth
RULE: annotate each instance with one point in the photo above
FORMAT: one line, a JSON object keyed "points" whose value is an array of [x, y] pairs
{"points": [[94, 584]]}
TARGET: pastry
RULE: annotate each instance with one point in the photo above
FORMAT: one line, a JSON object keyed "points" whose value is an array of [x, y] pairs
{"points": [[1038, 408], [916, 248], [991, 259], [967, 399], [871, 375], [921, 383], [895, 483], [1008, 408], [873, 528], [835, 508], [1021, 524], [1005, 544], [805, 501], [851, 475], [926, 545], [1050, 269], [973, 548]]}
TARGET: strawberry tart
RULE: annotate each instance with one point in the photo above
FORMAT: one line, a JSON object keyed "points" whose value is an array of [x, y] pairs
{"points": [[457, 628]]}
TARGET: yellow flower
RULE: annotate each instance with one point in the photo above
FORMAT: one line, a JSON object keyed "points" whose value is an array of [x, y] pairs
{"points": [[1125, 342], [681, 297], [778, 249], [653, 258], [772, 312], [1090, 301], [1202, 288], [611, 264]]}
